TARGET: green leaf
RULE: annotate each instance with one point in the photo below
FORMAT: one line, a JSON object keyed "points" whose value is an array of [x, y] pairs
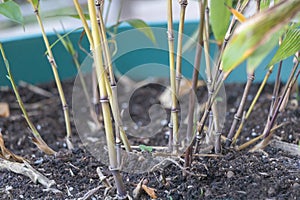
{"points": [[219, 18], [62, 37], [146, 148], [12, 10], [256, 31], [289, 46], [264, 4], [141, 26], [66, 43], [261, 52], [35, 3], [76, 16]]}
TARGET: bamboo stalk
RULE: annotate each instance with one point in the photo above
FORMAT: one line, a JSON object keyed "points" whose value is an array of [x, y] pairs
{"points": [[238, 114], [120, 132], [56, 76], [174, 110], [105, 102], [183, 4], [95, 90], [267, 133], [41, 144], [217, 78], [261, 87], [197, 61]]}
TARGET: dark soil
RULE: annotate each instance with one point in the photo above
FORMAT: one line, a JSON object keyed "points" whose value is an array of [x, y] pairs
{"points": [[269, 174]]}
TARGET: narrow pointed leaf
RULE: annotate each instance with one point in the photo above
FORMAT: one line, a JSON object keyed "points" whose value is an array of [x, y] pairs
{"points": [[12, 11], [237, 14], [143, 27], [255, 32], [289, 46], [219, 18], [76, 16], [62, 37], [261, 52], [264, 4], [138, 24]]}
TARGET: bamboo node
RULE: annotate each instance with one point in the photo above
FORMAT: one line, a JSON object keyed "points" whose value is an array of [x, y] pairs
{"points": [[113, 85], [174, 110], [65, 107], [179, 77], [113, 169], [198, 137], [217, 133], [170, 35], [251, 77], [183, 2], [237, 117], [51, 60], [104, 100], [170, 125], [122, 197], [97, 3]]}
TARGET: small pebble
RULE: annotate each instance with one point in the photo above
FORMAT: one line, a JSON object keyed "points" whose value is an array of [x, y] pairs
{"points": [[230, 174], [207, 192], [254, 134], [21, 196], [39, 161], [296, 185], [164, 122], [271, 191]]}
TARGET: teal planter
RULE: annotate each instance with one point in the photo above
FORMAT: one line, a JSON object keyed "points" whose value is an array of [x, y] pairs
{"points": [[29, 63]]}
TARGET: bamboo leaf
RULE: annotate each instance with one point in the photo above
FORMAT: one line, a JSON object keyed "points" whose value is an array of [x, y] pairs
{"points": [[219, 18], [261, 52], [264, 4], [290, 45], [146, 148], [143, 27], [237, 14], [62, 37], [35, 3], [255, 32], [76, 16], [140, 25], [66, 42], [12, 11]]}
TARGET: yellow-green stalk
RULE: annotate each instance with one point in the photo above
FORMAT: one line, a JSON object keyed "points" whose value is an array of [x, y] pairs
{"points": [[55, 73], [261, 87], [97, 54], [174, 110], [112, 93], [183, 4], [41, 144]]}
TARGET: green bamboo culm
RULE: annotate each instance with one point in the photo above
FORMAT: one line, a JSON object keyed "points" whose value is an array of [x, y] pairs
{"points": [[35, 5], [101, 73], [41, 144], [183, 4], [174, 110], [112, 91]]}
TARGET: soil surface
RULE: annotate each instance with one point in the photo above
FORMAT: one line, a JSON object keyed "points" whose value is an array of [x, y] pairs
{"points": [[270, 174]]}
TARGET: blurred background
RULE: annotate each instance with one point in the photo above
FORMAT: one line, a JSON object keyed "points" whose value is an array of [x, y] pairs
{"points": [[54, 13]]}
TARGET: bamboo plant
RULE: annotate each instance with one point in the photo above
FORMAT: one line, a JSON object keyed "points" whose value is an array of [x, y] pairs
{"points": [[101, 76], [51, 59], [37, 140]]}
